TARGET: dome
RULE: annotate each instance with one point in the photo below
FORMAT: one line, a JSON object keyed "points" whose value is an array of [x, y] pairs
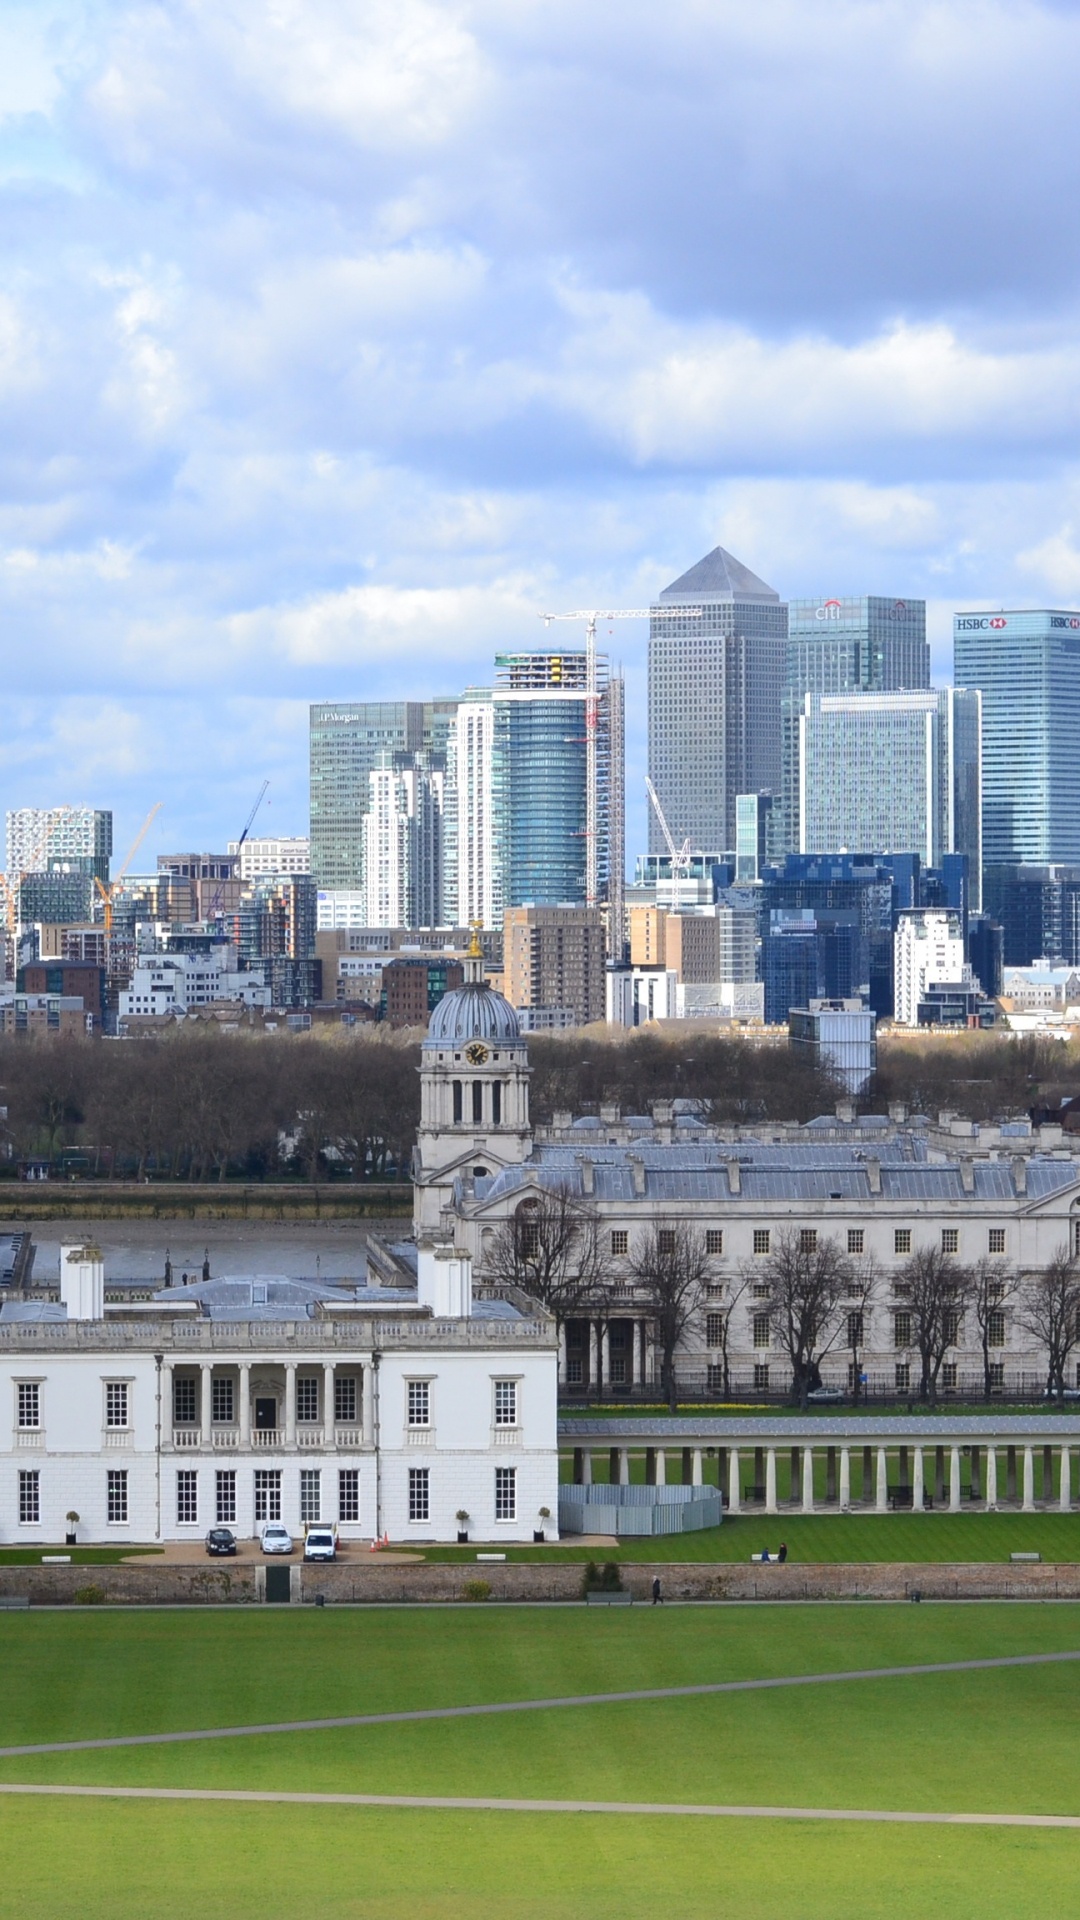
{"points": [[473, 1012]]}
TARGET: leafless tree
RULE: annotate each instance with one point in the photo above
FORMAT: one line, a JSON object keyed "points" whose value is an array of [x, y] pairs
{"points": [[733, 1293], [859, 1293], [1049, 1306], [993, 1286], [551, 1248], [808, 1276], [670, 1268], [940, 1291]]}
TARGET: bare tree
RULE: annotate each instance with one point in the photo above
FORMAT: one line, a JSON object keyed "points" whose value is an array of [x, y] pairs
{"points": [[859, 1292], [940, 1291], [807, 1276], [993, 1286], [733, 1293], [1050, 1304], [670, 1268], [551, 1248]]}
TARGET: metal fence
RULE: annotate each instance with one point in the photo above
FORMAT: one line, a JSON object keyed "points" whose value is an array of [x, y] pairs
{"points": [[639, 1511]]}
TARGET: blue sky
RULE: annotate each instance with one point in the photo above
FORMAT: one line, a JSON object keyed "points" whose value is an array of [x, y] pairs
{"points": [[339, 337]]}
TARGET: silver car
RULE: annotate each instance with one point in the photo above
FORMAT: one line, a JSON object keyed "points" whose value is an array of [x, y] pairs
{"points": [[275, 1538]]}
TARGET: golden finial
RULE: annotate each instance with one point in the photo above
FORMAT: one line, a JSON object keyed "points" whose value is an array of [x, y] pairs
{"points": [[476, 951]]}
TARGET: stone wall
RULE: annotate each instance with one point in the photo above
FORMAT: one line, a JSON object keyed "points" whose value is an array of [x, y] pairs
{"points": [[152, 1583]]}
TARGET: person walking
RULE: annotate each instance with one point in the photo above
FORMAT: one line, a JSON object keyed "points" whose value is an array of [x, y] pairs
{"points": [[656, 1593]]}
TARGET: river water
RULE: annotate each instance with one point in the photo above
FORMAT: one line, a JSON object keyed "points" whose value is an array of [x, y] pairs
{"points": [[136, 1249]]}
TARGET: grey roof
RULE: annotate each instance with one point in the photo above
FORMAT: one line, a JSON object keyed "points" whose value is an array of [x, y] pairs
{"points": [[719, 576], [232, 1297], [777, 1429], [473, 1012], [33, 1310]]}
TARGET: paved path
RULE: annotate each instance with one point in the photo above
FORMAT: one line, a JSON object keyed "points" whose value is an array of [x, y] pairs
{"points": [[441, 1802], [538, 1706]]}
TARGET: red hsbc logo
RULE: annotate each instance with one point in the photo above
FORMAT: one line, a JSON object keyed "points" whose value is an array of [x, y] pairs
{"points": [[999, 622]]}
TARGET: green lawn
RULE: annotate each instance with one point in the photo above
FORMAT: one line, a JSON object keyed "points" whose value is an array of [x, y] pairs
{"points": [[991, 1741], [80, 1556]]}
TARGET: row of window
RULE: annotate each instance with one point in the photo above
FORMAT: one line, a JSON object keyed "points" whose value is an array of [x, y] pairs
{"points": [[418, 1403], [808, 1240], [28, 1404], [267, 1489], [903, 1381], [854, 1326], [223, 1400]]}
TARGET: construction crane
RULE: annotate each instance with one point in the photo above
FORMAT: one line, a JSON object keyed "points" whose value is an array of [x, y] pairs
{"points": [[248, 824], [107, 892], [592, 714], [680, 856]]}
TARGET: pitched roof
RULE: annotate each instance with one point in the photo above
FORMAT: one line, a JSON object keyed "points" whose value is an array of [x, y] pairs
{"points": [[719, 576]]}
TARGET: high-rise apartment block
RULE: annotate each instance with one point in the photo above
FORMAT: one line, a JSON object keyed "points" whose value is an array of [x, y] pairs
{"points": [[930, 953], [403, 842], [59, 840], [1027, 667], [892, 773], [865, 643], [349, 740], [717, 643], [553, 958]]}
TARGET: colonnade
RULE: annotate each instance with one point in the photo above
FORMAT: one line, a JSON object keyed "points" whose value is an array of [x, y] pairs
{"points": [[207, 1433]]}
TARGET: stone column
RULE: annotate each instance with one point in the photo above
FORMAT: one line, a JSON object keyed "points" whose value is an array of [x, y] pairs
{"points": [[954, 1480], [367, 1405], [245, 1405], [770, 1480], [734, 1489], [328, 1404], [881, 1501], [661, 1467], [808, 1479], [991, 1479], [1065, 1483], [624, 1466], [917, 1487], [1028, 1502], [206, 1403], [697, 1476], [168, 1404], [290, 1403], [845, 1479], [586, 1468]]}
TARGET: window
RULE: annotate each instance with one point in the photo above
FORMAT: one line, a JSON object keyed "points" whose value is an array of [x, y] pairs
{"points": [[419, 1508], [714, 1377], [665, 1240], [950, 1326], [267, 1493], [807, 1239], [761, 1376], [854, 1330], [997, 1374], [760, 1290], [996, 1240], [901, 1240], [761, 1239], [715, 1290], [714, 1329], [506, 1493], [348, 1494], [714, 1239], [1076, 1239], [116, 1406], [29, 1499], [618, 1370], [948, 1376], [762, 1330], [225, 1497], [29, 1404], [573, 1371], [116, 1492], [345, 1400], [457, 1103], [950, 1239], [307, 1397], [496, 1103], [620, 1241], [855, 1239], [221, 1402], [506, 1409], [903, 1376], [419, 1405], [187, 1498], [183, 1402], [996, 1290], [310, 1495], [529, 1234], [995, 1329], [901, 1329]]}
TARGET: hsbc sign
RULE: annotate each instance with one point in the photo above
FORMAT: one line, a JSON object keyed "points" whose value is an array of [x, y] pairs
{"points": [[1064, 620], [977, 623]]}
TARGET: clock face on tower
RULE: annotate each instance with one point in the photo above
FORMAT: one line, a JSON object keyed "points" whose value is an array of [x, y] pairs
{"points": [[476, 1054]]}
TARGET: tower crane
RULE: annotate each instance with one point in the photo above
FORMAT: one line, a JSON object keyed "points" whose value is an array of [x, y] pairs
{"points": [[249, 822], [107, 892], [680, 856], [592, 710]]}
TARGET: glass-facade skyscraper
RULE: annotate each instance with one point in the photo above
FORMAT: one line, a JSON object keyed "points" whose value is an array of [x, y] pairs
{"points": [[865, 643], [716, 676], [349, 740], [1027, 667]]}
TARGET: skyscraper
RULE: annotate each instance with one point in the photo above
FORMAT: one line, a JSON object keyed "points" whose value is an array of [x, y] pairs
{"points": [[715, 686], [76, 840], [892, 773], [403, 842], [348, 740], [1027, 666], [859, 644]]}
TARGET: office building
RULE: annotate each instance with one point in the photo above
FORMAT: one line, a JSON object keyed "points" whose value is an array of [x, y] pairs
{"points": [[403, 842], [173, 983], [717, 642], [414, 983], [700, 948], [262, 855], [753, 817], [930, 952], [1027, 667], [857, 644], [892, 772], [839, 1035], [202, 886], [805, 957], [554, 957], [47, 839], [1038, 910], [348, 740], [473, 868], [59, 897]]}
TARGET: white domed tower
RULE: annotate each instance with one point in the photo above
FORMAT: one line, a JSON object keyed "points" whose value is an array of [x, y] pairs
{"points": [[474, 1092]]}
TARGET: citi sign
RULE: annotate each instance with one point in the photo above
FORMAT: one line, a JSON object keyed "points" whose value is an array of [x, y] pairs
{"points": [[971, 623], [830, 610]]}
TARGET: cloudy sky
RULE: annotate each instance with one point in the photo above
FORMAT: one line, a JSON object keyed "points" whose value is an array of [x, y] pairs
{"points": [[339, 337]]}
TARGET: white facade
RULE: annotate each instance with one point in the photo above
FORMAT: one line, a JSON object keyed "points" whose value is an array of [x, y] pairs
{"points": [[165, 983], [339, 908], [928, 950], [1041, 985], [636, 995], [37, 835], [476, 881], [403, 847], [264, 855]]}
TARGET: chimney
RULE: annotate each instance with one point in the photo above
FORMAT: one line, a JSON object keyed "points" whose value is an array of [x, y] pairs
{"points": [[610, 1114], [588, 1176], [898, 1112], [845, 1111], [561, 1119], [873, 1172], [637, 1174], [444, 1280], [82, 1282], [734, 1177], [967, 1173], [1019, 1173]]}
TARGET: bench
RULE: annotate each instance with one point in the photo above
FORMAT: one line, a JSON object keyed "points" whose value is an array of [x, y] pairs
{"points": [[609, 1599], [754, 1491], [1025, 1556], [11, 1601], [905, 1497]]}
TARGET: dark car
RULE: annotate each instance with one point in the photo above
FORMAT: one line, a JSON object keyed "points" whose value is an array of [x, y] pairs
{"points": [[220, 1540]]}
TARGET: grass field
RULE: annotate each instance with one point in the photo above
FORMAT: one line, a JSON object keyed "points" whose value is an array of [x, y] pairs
{"points": [[992, 1741]]}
